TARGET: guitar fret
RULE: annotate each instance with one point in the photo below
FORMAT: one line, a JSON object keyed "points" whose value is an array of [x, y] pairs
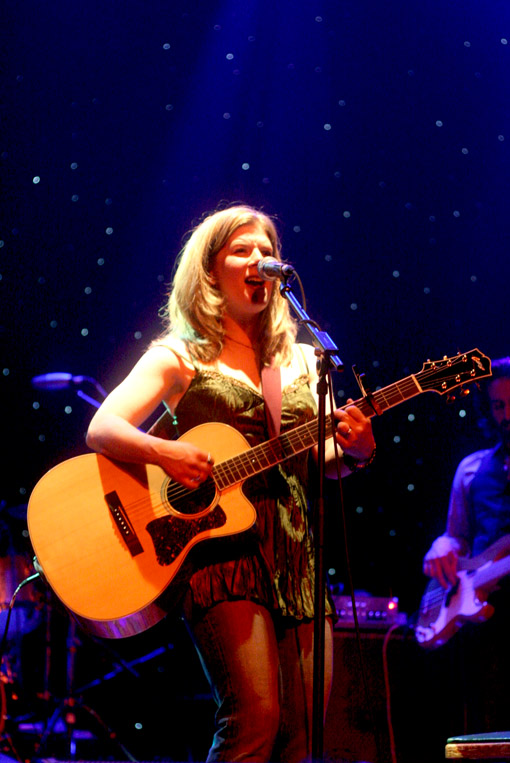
{"points": [[278, 449], [390, 396], [384, 398], [365, 407], [236, 470], [248, 463], [411, 385], [242, 467], [219, 477], [304, 439], [230, 476], [406, 388], [260, 458]]}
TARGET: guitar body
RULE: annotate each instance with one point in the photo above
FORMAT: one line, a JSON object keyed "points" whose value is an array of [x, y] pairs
{"points": [[444, 611], [110, 539]]}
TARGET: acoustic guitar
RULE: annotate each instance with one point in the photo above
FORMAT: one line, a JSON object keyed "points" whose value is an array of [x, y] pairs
{"points": [[113, 539]]}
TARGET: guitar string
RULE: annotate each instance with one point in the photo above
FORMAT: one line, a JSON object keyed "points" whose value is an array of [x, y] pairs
{"points": [[238, 469], [178, 491], [233, 470], [435, 596]]}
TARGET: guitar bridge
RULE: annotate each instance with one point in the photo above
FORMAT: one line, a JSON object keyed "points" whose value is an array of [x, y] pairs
{"points": [[121, 519]]}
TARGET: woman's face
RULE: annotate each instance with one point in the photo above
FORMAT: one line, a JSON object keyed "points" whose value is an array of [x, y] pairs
{"points": [[235, 272]]}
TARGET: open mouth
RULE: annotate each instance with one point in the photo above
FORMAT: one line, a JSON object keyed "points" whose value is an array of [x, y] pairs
{"points": [[254, 281]]}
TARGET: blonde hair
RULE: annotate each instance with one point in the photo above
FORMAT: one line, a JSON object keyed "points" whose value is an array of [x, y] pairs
{"points": [[195, 305]]}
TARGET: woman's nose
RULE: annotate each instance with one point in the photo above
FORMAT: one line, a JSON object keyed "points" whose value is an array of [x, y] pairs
{"points": [[256, 254]]}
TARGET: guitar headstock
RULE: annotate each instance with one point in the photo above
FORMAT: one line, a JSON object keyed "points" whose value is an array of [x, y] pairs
{"points": [[445, 375]]}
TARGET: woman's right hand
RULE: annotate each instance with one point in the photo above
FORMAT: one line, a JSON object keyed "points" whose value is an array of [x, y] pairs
{"points": [[114, 429], [441, 560], [184, 462]]}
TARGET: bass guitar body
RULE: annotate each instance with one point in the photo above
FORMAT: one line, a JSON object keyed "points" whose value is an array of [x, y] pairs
{"points": [[111, 537], [444, 611]]}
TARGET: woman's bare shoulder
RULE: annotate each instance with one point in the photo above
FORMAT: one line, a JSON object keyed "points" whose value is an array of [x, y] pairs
{"points": [[170, 348]]}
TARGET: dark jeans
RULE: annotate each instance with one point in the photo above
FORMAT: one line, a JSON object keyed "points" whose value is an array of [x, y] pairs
{"points": [[260, 669]]}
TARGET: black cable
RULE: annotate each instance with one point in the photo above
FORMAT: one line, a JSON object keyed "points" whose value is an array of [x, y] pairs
{"points": [[30, 579]]}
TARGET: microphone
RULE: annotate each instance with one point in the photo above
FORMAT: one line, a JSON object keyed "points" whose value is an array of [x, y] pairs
{"points": [[271, 270]]}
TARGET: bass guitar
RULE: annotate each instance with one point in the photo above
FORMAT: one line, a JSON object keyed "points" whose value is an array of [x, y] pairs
{"points": [[113, 539], [443, 611]]}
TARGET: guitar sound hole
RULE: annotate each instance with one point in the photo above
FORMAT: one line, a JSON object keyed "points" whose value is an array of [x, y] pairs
{"points": [[191, 502]]}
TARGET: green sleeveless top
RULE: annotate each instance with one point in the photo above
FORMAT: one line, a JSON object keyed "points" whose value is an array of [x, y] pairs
{"points": [[273, 562]]}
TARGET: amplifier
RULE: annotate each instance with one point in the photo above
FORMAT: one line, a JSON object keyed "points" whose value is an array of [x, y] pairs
{"points": [[374, 612]]}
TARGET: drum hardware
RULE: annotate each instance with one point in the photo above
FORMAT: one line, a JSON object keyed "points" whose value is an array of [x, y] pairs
{"points": [[22, 618], [20, 614], [64, 714], [29, 579], [60, 722]]}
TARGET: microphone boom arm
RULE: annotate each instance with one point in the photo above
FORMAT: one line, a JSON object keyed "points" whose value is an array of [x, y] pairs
{"points": [[322, 338]]}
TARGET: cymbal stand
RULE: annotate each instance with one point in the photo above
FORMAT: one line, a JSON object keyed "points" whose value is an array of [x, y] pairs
{"points": [[67, 707]]}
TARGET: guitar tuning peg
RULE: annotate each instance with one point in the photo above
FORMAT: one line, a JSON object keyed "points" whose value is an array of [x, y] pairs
{"points": [[464, 392], [450, 399]]}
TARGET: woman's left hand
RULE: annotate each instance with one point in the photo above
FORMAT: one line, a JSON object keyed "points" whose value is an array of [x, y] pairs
{"points": [[354, 432]]}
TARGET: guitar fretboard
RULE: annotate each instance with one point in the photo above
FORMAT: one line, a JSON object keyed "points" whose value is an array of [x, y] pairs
{"points": [[303, 437], [439, 376]]}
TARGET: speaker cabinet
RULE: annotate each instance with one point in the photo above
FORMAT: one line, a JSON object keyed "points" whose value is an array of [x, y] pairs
{"points": [[354, 722], [422, 707]]}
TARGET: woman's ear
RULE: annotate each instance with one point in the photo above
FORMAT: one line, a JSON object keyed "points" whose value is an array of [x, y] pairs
{"points": [[211, 275]]}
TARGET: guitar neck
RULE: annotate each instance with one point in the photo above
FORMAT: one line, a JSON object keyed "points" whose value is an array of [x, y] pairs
{"points": [[389, 396], [488, 577], [305, 436], [440, 376]]}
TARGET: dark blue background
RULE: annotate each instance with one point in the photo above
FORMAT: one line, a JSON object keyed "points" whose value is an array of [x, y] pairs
{"points": [[139, 117], [379, 135]]}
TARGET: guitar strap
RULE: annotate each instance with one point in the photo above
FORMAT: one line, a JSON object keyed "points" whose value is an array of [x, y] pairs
{"points": [[272, 391]]}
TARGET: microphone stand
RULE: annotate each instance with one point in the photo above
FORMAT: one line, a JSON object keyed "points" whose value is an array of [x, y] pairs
{"points": [[327, 354]]}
